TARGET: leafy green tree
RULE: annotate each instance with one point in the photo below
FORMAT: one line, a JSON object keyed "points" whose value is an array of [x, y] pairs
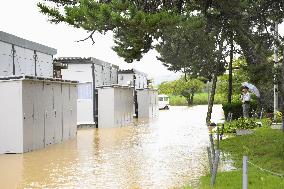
{"points": [[191, 49], [188, 88], [137, 24], [195, 51], [182, 87], [240, 75], [166, 88]]}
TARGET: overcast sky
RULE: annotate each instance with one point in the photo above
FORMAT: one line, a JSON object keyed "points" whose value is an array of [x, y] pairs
{"points": [[22, 18]]}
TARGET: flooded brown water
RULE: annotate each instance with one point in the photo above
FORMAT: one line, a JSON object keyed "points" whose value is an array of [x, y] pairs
{"points": [[168, 152]]}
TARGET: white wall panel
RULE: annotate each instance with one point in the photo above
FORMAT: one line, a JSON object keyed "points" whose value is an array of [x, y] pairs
{"points": [[11, 122], [39, 116], [57, 112], [147, 103], [49, 114], [73, 110], [99, 75], [85, 111], [24, 61], [78, 72], [66, 111], [106, 111], [31, 114], [28, 114], [107, 75], [6, 59], [115, 106], [85, 91], [114, 76], [125, 79], [44, 65]]}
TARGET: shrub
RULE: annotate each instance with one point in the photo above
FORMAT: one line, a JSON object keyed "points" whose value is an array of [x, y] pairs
{"points": [[236, 108], [177, 100], [266, 122], [278, 117], [241, 123], [199, 99]]}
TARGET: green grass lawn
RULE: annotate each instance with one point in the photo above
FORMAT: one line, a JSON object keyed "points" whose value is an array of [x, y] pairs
{"points": [[199, 99], [265, 148]]}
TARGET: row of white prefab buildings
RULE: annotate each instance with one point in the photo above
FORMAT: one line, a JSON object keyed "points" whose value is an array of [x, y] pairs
{"points": [[43, 99]]}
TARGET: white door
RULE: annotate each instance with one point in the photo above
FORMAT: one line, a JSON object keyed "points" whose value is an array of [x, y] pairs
{"points": [[28, 114], [73, 110], [66, 111], [49, 114], [39, 116], [57, 112]]}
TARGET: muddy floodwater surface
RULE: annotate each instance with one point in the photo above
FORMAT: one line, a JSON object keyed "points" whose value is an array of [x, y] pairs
{"points": [[167, 152]]}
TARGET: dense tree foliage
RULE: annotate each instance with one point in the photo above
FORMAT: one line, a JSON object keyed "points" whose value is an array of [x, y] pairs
{"points": [[182, 87], [191, 50], [191, 35], [240, 75], [137, 23]]}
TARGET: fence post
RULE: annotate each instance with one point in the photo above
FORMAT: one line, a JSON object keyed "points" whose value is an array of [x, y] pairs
{"points": [[212, 145], [222, 131], [215, 168], [245, 172], [218, 138], [210, 160]]}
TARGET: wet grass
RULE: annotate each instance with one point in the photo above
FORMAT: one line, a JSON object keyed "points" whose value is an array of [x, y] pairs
{"points": [[265, 148], [233, 180]]}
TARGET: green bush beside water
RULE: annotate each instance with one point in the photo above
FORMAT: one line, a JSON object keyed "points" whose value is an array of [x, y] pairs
{"points": [[241, 123], [199, 99], [236, 108]]}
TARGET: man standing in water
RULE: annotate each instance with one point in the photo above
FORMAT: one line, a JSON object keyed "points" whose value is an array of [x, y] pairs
{"points": [[245, 97]]}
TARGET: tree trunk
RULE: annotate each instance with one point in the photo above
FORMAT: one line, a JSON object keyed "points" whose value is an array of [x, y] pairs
{"points": [[211, 99], [191, 98], [230, 82], [188, 101]]}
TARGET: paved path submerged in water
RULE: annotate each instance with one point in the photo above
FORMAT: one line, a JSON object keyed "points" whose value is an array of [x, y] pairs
{"points": [[168, 152]]}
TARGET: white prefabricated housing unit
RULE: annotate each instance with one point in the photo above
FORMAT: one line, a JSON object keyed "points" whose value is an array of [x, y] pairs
{"points": [[91, 74], [136, 79], [36, 112], [147, 102], [115, 106], [22, 57], [132, 78]]}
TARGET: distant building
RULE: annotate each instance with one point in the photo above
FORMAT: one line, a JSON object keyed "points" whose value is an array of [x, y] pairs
{"points": [[91, 73], [145, 99], [133, 78]]}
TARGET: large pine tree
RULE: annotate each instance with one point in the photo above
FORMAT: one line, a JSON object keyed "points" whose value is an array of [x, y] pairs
{"points": [[171, 26]]}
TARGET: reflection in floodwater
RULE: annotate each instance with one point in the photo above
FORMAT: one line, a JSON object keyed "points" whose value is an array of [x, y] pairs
{"points": [[168, 152]]}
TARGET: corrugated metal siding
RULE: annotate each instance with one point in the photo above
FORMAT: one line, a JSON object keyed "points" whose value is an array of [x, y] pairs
{"points": [[24, 61], [40, 113], [44, 67], [99, 75], [6, 59], [85, 91]]}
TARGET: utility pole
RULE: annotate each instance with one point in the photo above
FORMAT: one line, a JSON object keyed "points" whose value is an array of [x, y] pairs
{"points": [[230, 83], [276, 90], [282, 91]]}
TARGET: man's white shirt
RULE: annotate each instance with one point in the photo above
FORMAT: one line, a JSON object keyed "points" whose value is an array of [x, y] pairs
{"points": [[246, 97]]}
